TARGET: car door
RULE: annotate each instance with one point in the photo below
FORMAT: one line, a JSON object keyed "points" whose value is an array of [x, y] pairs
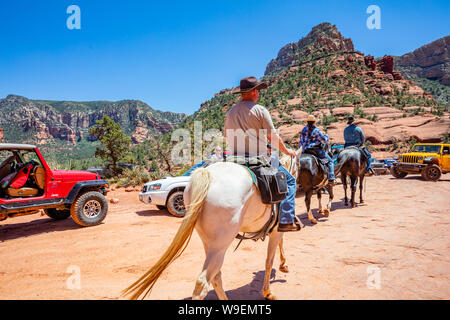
{"points": [[446, 158]]}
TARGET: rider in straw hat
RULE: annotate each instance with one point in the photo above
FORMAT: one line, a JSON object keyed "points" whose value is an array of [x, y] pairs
{"points": [[251, 125], [312, 138]]}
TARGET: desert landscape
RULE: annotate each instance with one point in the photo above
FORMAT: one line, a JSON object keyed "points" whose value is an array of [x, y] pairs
{"points": [[402, 229]]}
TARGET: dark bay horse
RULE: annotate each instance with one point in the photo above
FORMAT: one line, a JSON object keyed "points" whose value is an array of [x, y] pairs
{"points": [[353, 163], [312, 177]]}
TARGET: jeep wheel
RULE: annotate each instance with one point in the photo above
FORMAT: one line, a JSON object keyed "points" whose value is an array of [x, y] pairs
{"points": [[161, 207], [397, 173], [432, 172], [57, 214], [89, 209], [175, 204]]}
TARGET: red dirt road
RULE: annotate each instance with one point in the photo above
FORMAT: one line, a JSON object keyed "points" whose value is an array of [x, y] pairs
{"points": [[402, 229]]}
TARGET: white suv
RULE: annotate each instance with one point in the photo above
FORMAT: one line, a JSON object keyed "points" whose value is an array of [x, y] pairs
{"points": [[167, 193]]}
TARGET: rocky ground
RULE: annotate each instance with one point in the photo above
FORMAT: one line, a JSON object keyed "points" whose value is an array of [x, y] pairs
{"points": [[399, 236]]}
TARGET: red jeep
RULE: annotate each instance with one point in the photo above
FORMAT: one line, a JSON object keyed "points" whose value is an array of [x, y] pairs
{"points": [[27, 184]]}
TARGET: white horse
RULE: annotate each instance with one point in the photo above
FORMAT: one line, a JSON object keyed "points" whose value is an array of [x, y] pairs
{"points": [[221, 201]]}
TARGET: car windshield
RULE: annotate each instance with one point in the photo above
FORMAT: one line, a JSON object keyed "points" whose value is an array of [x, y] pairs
{"points": [[29, 155], [427, 148]]}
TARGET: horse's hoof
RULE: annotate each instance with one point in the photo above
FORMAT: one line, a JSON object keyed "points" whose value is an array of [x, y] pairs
{"points": [[270, 296], [361, 201], [326, 212], [314, 221], [345, 203], [284, 268], [320, 211], [353, 205]]}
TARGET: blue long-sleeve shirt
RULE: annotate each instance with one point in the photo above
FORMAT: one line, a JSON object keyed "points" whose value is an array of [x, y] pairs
{"points": [[353, 135], [316, 138]]}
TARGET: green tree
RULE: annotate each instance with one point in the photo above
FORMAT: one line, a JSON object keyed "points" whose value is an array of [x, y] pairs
{"points": [[115, 145]]}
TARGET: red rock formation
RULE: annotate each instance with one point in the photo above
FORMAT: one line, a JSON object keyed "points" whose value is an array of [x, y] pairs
{"points": [[386, 64], [397, 75], [2, 138], [370, 62], [430, 61]]}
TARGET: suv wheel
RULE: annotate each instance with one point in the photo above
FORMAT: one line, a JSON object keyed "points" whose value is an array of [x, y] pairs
{"points": [[432, 172], [396, 173], [89, 209], [57, 214], [175, 204]]}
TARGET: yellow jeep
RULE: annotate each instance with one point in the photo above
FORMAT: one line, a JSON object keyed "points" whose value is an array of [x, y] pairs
{"points": [[428, 159]]}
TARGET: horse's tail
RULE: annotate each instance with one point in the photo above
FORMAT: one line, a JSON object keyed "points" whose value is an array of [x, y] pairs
{"points": [[341, 161], [199, 188]]}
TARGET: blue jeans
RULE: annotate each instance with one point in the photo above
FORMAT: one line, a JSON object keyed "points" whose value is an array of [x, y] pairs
{"points": [[287, 206], [322, 154], [369, 158]]}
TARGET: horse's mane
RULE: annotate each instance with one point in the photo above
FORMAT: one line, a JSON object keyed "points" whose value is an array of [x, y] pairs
{"points": [[285, 161]]}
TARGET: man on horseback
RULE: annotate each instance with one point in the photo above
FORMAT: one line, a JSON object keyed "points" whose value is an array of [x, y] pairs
{"points": [[252, 124], [354, 136], [311, 138]]}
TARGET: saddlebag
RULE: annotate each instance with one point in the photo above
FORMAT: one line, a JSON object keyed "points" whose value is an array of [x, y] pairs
{"points": [[272, 184]]}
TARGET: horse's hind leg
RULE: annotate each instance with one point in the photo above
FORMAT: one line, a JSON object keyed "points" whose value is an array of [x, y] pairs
{"points": [[308, 206], [211, 269], [275, 237], [319, 197], [361, 179], [330, 200], [283, 265], [217, 284], [353, 182], [344, 184]]}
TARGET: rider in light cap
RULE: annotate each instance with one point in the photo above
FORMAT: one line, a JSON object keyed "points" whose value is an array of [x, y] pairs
{"points": [[354, 136]]}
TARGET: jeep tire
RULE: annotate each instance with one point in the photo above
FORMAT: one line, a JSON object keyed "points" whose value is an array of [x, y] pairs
{"points": [[175, 204], [57, 214], [432, 172], [397, 173], [89, 209]]}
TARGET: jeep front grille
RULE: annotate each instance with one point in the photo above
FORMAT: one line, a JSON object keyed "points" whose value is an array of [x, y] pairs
{"points": [[410, 159]]}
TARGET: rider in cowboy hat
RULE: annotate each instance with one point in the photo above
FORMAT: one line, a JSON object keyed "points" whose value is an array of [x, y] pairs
{"points": [[312, 138], [354, 136], [252, 125]]}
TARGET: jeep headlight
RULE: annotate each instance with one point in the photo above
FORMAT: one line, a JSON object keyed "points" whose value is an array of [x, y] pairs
{"points": [[154, 187], [400, 158], [420, 158]]}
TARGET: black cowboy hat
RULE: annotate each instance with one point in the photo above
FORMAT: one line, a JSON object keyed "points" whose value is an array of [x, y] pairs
{"points": [[249, 84], [350, 119]]}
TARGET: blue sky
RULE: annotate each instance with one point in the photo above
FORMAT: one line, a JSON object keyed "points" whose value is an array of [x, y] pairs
{"points": [[174, 55]]}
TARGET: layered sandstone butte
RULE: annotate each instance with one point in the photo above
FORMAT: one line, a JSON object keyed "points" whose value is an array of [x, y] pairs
{"points": [[323, 38], [2, 138], [432, 61], [42, 122]]}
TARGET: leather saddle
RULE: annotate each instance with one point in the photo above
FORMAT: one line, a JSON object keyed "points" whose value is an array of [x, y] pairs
{"points": [[321, 162], [272, 185], [360, 149]]}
